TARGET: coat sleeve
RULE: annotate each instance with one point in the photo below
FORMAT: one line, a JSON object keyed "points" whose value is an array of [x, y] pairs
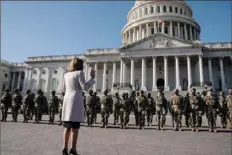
{"points": [[85, 85]]}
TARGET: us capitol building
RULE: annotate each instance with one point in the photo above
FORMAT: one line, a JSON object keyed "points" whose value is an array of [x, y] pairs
{"points": [[161, 48]]}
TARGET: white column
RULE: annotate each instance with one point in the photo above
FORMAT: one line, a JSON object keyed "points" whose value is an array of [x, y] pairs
{"points": [[163, 27], [121, 72], [140, 32], [124, 72], [147, 30], [38, 79], [171, 29], [155, 27], [61, 79], [210, 71], [189, 72], [29, 79], [49, 78], [222, 74], [185, 32], [64, 68], [86, 70], [201, 70], [144, 75], [25, 79], [104, 77], [96, 81], [19, 80], [129, 31], [134, 35], [132, 81], [13, 82], [191, 32], [154, 86], [177, 73], [114, 74], [178, 29], [166, 86]]}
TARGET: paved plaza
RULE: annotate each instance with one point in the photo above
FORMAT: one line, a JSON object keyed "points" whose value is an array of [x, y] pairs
{"points": [[42, 139]]}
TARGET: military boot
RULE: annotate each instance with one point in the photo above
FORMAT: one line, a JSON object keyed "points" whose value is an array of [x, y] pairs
{"points": [[158, 126], [103, 125]]}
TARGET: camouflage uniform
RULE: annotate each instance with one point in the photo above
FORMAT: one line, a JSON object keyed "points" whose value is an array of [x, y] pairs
{"points": [[177, 109], [6, 101], [161, 109], [195, 105], [229, 106], [97, 106], [40, 102], [201, 108], [142, 104], [27, 106], [17, 101], [116, 108], [170, 109], [61, 100], [150, 110], [186, 110], [211, 110], [52, 107], [223, 109], [90, 107], [105, 109], [124, 111], [32, 110], [135, 108]]}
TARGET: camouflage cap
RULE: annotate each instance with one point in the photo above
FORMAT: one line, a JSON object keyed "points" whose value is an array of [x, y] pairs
{"points": [[193, 89], [90, 91], [7, 90]]}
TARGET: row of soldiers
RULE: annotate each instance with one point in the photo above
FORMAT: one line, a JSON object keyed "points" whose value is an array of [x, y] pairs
{"points": [[30, 105], [193, 106]]}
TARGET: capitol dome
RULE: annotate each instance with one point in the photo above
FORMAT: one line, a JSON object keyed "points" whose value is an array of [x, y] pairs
{"points": [[173, 18]]}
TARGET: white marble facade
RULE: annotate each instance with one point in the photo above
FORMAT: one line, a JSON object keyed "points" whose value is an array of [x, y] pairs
{"points": [[160, 49]]}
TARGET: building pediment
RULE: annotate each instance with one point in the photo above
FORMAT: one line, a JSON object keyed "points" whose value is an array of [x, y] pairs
{"points": [[158, 41]]}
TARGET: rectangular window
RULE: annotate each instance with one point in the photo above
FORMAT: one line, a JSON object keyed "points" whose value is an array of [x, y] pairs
{"points": [[152, 31], [152, 9], [6, 75]]}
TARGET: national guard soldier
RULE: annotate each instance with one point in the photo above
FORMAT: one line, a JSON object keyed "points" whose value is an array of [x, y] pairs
{"points": [[195, 105], [124, 111], [177, 109], [90, 107], [105, 109], [202, 107], [84, 102], [61, 100], [229, 106], [142, 104], [32, 106], [161, 108], [17, 101], [116, 108], [150, 109], [135, 108], [187, 110], [223, 109], [52, 107], [97, 106], [211, 109], [6, 102], [170, 109], [27, 106], [40, 101]]}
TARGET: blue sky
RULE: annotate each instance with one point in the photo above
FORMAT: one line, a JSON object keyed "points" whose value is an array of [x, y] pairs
{"points": [[57, 28]]}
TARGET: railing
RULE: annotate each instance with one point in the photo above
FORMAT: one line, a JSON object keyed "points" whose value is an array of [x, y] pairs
{"points": [[119, 85]]}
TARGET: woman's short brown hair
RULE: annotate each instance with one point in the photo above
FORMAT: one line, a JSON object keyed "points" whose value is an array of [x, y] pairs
{"points": [[75, 65]]}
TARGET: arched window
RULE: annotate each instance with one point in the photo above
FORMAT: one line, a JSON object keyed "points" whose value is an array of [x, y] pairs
{"points": [[170, 9], [54, 84], [176, 9], [164, 9], [158, 9], [145, 11]]}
